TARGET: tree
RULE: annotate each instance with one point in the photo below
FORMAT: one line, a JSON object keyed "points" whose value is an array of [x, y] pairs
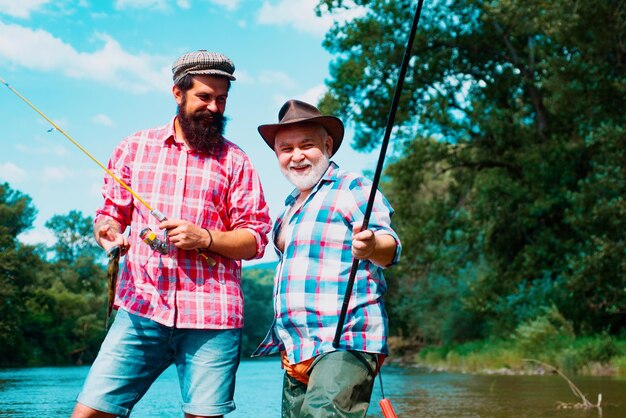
{"points": [[257, 286], [52, 312], [19, 265], [77, 256], [509, 139], [73, 292], [74, 236]]}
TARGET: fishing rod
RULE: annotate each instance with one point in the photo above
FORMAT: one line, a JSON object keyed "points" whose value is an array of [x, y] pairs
{"points": [[146, 235], [384, 403]]}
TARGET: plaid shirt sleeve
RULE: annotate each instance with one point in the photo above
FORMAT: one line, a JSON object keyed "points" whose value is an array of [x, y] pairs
{"points": [[380, 217], [248, 209], [118, 202]]}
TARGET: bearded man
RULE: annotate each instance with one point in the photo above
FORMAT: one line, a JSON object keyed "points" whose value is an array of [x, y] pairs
{"points": [[315, 239], [174, 307]]}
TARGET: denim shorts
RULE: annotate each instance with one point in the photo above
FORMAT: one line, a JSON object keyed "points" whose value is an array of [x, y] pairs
{"points": [[137, 350]]}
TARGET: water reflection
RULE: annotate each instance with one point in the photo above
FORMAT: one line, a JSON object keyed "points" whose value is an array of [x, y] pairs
{"points": [[418, 393]]}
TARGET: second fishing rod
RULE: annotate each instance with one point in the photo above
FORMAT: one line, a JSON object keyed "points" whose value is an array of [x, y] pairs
{"points": [[147, 235]]}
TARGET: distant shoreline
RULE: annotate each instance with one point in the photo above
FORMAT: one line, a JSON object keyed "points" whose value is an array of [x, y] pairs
{"points": [[505, 358]]}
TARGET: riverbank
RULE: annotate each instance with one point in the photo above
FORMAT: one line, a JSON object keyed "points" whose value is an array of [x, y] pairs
{"points": [[590, 356]]}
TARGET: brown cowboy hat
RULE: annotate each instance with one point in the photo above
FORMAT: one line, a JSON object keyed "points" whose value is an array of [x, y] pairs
{"points": [[295, 111]]}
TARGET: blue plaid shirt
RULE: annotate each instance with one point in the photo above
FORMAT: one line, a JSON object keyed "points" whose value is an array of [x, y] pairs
{"points": [[313, 271]]}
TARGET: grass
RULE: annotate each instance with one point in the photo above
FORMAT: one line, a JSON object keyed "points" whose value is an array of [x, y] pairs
{"points": [[599, 355]]}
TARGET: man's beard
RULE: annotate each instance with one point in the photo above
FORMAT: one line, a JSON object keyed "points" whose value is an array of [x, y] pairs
{"points": [[203, 130], [311, 178]]}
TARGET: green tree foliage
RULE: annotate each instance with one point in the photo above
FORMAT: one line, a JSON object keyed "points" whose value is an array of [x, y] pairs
{"points": [[52, 311], [18, 272], [71, 297], [257, 284], [74, 236], [509, 177]]}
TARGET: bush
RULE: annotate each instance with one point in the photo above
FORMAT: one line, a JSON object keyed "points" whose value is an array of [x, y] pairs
{"points": [[548, 333]]}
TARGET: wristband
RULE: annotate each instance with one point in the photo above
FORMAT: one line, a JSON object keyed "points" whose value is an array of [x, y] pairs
{"points": [[210, 238]]}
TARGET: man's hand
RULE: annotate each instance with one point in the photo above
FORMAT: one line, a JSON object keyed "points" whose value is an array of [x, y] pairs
{"points": [[363, 243], [185, 235], [108, 234], [379, 249]]}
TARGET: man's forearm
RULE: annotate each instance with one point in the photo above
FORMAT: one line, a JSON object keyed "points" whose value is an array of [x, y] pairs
{"points": [[239, 244], [385, 250]]}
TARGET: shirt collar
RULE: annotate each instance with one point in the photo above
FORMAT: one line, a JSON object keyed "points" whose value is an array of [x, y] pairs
{"points": [[170, 134], [330, 175]]}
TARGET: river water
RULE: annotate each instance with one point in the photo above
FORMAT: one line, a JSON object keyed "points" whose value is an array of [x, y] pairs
{"points": [[414, 392]]}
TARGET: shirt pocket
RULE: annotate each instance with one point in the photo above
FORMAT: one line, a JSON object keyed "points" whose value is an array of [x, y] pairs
{"points": [[214, 214]]}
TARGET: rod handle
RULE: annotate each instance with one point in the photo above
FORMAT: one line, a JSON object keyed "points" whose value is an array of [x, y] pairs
{"points": [[210, 260]]}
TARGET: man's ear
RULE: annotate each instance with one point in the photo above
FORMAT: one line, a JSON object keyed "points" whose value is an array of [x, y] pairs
{"points": [[178, 94], [329, 145]]}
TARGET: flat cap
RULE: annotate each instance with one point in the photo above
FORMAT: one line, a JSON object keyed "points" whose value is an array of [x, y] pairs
{"points": [[203, 62]]}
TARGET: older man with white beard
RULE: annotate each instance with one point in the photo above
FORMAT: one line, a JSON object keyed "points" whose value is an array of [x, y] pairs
{"points": [[315, 239]]}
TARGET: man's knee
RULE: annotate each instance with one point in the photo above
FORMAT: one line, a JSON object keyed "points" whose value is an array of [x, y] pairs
{"points": [[83, 411]]}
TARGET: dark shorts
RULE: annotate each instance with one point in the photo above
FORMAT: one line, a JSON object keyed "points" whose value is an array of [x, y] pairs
{"points": [[137, 350], [340, 385]]}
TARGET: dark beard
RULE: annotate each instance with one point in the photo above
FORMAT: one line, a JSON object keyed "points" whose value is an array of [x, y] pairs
{"points": [[203, 130]]}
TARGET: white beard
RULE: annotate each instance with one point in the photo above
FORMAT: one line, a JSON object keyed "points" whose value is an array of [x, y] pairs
{"points": [[308, 179]]}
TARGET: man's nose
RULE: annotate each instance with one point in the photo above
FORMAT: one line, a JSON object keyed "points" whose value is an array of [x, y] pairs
{"points": [[297, 155], [212, 106]]}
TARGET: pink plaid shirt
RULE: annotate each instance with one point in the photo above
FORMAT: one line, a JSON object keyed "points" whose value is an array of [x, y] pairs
{"points": [[219, 191]]}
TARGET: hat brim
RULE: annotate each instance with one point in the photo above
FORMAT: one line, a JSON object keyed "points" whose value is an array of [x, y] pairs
{"points": [[333, 125], [217, 73]]}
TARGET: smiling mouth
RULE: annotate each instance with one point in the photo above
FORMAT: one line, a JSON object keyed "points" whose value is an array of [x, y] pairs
{"points": [[299, 169], [203, 115]]}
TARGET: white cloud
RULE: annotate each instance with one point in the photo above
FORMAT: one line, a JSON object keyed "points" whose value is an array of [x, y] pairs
{"points": [[141, 4], [56, 174], [56, 150], [37, 236], [112, 65], [266, 77], [227, 4], [95, 189], [312, 95], [102, 119], [276, 77], [243, 77], [300, 15], [11, 173], [21, 8], [164, 5]]}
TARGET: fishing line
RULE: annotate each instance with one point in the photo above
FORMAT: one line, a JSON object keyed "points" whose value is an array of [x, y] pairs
{"points": [[58, 128], [154, 212]]}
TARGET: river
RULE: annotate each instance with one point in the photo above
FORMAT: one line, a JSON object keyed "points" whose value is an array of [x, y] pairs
{"points": [[414, 392]]}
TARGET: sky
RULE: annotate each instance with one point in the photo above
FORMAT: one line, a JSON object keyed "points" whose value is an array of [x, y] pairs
{"points": [[101, 70]]}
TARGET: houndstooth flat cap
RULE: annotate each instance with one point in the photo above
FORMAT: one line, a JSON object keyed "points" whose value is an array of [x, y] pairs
{"points": [[203, 62]]}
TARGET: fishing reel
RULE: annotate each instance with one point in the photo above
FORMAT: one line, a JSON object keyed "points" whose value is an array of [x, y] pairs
{"points": [[150, 238]]}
